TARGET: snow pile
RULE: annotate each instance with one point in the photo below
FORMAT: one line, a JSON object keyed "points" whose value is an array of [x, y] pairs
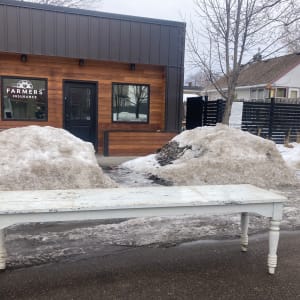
{"points": [[36, 157], [216, 155], [291, 154]]}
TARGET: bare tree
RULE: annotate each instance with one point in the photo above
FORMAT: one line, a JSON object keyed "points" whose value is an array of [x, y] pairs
{"points": [[228, 31], [292, 37], [69, 3], [141, 96], [197, 79]]}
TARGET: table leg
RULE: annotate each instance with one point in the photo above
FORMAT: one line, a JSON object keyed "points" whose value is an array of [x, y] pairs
{"points": [[2, 251], [273, 245], [244, 229]]}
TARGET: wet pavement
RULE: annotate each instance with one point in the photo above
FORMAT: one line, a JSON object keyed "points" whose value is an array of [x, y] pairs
{"points": [[203, 270]]}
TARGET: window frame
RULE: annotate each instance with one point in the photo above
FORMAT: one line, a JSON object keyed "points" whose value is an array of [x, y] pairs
{"points": [[252, 92], [2, 77], [112, 103], [281, 89], [294, 91]]}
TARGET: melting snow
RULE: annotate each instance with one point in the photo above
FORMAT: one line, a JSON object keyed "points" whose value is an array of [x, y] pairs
{"points": [[35, 157], [217, 155]]}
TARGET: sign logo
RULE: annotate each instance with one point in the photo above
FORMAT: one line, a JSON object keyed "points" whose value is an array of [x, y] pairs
{"points": [[23, 90]]}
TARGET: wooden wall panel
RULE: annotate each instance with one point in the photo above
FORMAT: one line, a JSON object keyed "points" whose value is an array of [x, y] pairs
{"points": [[104, 73], [136, 143]]}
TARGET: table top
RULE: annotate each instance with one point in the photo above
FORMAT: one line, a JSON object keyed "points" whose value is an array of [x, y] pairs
{"points": [[133, 197]]}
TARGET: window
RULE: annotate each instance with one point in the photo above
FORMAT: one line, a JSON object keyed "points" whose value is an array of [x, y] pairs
{"points": [[130, 102], [272, 93], [294, 94], [253, 93], [257, 93], [260, 94], [24, 99], [281, 92]]}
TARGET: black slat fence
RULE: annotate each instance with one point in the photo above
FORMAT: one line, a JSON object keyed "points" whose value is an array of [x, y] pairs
{"points": [[275, 119]]}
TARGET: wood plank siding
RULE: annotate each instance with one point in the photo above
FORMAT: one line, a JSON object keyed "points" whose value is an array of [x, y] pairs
{"points": [[125, 143], [56, 70]]}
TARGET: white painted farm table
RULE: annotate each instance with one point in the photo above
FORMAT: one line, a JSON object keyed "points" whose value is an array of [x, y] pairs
{"points": [[87, 204]]}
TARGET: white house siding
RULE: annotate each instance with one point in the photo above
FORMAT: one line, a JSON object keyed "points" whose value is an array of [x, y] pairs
{"points": [[242, 94], [291, 79], [214, 95]]}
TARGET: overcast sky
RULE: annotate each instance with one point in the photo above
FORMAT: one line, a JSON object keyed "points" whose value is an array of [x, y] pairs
{"points": [[176, 10]]}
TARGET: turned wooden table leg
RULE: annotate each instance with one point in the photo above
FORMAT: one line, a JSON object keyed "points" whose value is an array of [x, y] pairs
{"points": [[244, 229], [2, 251], [273, 245]]}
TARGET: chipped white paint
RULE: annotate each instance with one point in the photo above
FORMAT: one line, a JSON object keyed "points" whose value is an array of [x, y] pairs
{"points": [[244, 233], [2, 250], [87, 204]]}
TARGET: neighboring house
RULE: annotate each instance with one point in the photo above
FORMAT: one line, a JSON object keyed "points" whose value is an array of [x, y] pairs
{"points": [[113, 80], [191, 91], [276, 77]]}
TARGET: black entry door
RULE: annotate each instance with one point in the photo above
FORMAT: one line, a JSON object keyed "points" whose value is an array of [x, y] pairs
{"points": [[80, 110]]}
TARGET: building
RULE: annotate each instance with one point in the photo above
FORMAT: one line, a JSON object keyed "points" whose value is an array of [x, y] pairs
{"points": [[113, 80], [277, 77]]}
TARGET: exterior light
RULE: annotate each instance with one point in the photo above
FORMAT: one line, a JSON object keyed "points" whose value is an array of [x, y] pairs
{"points": [[132, 67], [23, 58]]}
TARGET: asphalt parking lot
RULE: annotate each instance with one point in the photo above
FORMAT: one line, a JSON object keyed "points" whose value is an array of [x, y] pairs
{"points": [[198, 270]]}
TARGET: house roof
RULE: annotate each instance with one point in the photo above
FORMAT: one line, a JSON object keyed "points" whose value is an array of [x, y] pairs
{"points": [[264, 71]]}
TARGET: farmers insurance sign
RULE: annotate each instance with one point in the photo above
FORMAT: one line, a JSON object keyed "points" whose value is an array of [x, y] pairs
{"points": [[24, 89]]}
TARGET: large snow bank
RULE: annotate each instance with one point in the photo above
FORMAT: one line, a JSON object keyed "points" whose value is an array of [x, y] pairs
{"points": [[36, 157], [216, 155]]}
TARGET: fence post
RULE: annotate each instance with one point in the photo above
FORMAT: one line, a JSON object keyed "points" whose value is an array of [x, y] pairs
{"points": [[271, 116], [205, 111]]}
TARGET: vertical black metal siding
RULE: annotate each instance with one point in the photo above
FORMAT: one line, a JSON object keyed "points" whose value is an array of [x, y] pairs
{"points": [[134, 40], [37, 23], [164, 46], [61, 35], [124, 45], [49, 35], [93, 38], [83, 42], [173, 44], [72, 29], [13, 25], [103, 39], [44, 32], [3, 29], [25, 31], [173, 101], [114, 39], [154, 44], [144, 43], [12, 17]]}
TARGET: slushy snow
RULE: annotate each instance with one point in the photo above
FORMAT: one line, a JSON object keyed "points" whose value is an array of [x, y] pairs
{"points": [[34, 158], [291, 154], [217, 155]]}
